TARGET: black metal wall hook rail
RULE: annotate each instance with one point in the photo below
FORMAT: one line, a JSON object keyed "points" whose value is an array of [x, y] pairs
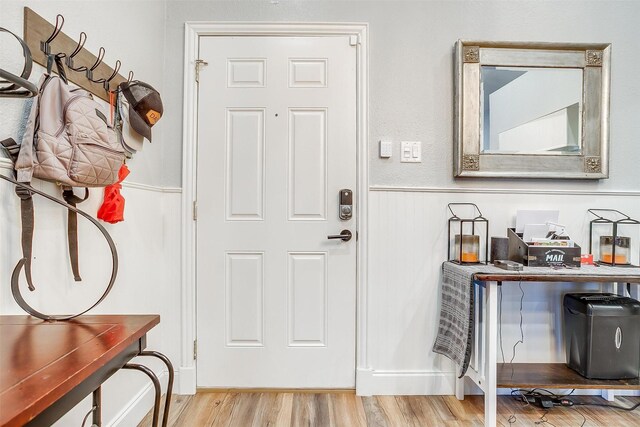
{"points": [[95, 65], [45, 46], [107, 81], [91, 72], [81, 42]]}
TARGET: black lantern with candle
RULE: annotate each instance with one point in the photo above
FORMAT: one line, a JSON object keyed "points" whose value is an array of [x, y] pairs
{"points": [[614, 237], [469, 234]]}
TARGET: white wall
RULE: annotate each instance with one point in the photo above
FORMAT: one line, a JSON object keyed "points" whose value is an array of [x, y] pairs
{"points": [[410, 95], [408, 241], [148, 239], [411, 72]]}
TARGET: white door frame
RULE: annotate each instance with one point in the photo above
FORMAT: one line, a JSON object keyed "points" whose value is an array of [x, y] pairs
{"points": [[193, 31]]}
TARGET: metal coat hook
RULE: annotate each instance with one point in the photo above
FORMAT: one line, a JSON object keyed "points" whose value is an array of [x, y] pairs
{"points": [[130, 77], [89, 72], [81, 42], [45, 46], [112, 76]]}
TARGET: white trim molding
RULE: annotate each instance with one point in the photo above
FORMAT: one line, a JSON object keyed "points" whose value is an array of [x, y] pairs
{"points": [[472, 190], [187, 382], [193, 32], [147, 187], [372, 382]]}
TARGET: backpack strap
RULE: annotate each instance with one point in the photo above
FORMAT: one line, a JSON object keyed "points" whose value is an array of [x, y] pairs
{"points": [[57, 60], [27, 216], [26, 213], [11, 147], [24, 162], [72, 228]]}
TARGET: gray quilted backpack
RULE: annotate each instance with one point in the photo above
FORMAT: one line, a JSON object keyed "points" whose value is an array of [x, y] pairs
{"points": [[69, 141]]}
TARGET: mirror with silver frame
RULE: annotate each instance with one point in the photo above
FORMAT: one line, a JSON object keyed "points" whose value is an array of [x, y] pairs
{"points": [[532, 110]]}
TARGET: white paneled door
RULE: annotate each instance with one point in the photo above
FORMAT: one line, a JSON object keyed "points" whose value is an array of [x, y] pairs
{"points": [[276, 144]]}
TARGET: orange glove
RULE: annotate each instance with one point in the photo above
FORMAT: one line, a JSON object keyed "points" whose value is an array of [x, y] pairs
{"points": [[112, 209]]}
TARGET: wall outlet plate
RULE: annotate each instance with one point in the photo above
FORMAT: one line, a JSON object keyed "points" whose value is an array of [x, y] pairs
{"points": [[411, 151]]}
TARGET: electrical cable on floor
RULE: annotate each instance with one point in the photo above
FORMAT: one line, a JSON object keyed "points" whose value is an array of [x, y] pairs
{"points": [[606, 405], [584, 419], [544, 420], [535, 393]]}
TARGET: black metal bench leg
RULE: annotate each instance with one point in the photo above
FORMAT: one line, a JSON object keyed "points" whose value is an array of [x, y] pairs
{"points": [[165, 359], [97, 405], [156, 385]]}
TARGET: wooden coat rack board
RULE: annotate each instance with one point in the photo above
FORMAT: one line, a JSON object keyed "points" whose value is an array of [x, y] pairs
{"points": [[37, 30]]}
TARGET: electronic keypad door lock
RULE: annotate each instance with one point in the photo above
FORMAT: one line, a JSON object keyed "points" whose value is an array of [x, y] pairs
{"points": [[345, 210]]}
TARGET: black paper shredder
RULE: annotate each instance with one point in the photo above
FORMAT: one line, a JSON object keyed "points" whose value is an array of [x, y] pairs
{"points": [[602, 335]]}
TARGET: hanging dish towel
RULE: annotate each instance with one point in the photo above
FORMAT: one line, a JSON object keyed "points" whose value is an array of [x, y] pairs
{"points": [[112, 209]]}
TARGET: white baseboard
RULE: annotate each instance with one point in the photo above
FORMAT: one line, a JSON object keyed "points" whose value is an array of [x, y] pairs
{"points": [[371, 382], [140, 404], [187, 383]]}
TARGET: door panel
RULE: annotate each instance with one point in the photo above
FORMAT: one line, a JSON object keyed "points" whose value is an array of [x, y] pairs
{"points": [[307, 302], [276, 143], [307, 164], [245, 164], [244, 285]]}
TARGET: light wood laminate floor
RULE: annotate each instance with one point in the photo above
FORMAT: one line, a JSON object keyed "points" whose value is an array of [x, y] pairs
{"points": [[253, 409]]}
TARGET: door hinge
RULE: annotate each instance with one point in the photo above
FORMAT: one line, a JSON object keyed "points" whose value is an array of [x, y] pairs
{"points": [[354, 40], [195, 210], [199, 64], [195, 349]]}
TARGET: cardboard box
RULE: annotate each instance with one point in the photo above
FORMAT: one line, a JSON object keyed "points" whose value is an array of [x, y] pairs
{"points": [[541, 256]]}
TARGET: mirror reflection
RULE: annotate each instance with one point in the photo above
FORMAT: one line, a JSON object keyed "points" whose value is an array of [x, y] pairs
{"points": [[531, 110]]}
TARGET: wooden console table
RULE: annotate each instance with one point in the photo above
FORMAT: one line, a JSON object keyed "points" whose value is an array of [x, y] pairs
{"points": [[484, 369], [46, 368]]}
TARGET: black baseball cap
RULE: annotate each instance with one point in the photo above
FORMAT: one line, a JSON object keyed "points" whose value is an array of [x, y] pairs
{"points": [[145, 106]]}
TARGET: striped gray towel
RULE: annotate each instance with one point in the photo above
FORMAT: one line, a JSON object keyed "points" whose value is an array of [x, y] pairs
{"points": [[455, 329]]}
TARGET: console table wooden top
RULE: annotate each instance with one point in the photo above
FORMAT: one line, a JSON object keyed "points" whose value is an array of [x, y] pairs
{"points": [[41, 362]]}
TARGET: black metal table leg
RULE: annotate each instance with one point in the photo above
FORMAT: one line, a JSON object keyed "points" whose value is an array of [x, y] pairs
{"points": [[156, 385], [97, 407], [165, 359]]}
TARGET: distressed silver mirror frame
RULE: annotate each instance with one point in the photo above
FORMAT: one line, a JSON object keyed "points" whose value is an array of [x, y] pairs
{"points": [[593, 160]]}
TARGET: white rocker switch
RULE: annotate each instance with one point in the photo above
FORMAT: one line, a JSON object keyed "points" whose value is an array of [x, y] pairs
{"points": [[411, 151]]}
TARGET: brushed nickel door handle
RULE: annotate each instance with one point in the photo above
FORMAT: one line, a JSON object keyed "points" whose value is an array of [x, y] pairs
{"points": [[345, 236]]}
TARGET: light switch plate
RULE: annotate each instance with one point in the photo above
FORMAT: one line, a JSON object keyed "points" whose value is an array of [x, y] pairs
{"points": [[411, 151], [386, 149]]}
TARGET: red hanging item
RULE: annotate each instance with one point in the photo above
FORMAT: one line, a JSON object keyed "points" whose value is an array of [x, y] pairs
{"points": [[112, 209]]}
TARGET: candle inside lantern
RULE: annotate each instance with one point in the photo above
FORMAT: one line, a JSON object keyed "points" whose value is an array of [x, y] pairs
{"points": [[470, 248], [622, 249]]}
